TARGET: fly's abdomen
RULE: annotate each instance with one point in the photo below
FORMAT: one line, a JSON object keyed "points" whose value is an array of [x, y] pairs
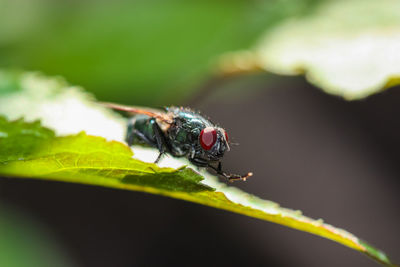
{"points": [[140, 131]]}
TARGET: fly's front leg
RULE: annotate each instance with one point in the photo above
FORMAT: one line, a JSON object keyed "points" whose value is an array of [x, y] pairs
{"points": [[230, 177]]}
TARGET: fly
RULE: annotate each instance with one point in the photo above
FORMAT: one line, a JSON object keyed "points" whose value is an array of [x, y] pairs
{"points": [[180, 132]]}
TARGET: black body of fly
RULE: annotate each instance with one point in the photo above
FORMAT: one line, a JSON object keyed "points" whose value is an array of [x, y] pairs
{"points": [[180, 132]]}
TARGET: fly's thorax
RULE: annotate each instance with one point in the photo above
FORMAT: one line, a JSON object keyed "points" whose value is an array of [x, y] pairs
{"points": [[198, 135], [182, 136]]}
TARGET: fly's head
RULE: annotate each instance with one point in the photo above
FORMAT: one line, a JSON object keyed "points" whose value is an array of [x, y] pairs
{"points": [[213, 142]]}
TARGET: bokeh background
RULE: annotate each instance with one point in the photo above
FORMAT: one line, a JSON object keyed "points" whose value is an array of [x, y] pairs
{"points": [[330, 158]]}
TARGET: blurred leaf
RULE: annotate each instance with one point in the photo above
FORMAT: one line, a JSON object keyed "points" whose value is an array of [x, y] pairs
{"points": [[25, 243], [32, 151], [346, 47], [137, 52]]}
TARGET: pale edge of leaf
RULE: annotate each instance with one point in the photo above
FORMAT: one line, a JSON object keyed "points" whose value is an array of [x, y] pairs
{"points": [[247, 62], [325, 47]]}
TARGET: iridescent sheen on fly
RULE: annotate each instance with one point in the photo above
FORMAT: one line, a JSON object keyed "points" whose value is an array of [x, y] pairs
{"points": [[180, 132]]}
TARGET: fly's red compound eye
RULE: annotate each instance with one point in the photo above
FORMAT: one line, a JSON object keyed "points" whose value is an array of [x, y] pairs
{"points": [[226, 136], [208, 137]]}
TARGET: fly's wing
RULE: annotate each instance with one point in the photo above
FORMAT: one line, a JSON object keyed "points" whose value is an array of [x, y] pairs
{"points": [[136, 110]]}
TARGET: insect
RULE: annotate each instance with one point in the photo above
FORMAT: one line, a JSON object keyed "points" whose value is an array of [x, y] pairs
{"points": [[180, 132]]}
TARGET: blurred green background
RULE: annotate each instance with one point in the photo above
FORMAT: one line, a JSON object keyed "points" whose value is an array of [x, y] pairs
{"points": [[135, 52]]}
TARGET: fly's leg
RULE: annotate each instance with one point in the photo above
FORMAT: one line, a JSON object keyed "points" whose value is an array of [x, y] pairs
{"points": [[199, 163], [230, 177], [192, 152], [161, 141]]}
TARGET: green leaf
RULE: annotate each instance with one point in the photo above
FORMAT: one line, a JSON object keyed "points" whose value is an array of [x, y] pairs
{"points": [[346, 47], [85, 159], [34, 151]]}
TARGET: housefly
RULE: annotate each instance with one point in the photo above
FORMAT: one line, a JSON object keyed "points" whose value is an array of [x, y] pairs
{"points": [[180, 132]]}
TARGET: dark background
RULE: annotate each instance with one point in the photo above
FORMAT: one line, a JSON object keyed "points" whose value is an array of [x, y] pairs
{"points": [[332, 159]]}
